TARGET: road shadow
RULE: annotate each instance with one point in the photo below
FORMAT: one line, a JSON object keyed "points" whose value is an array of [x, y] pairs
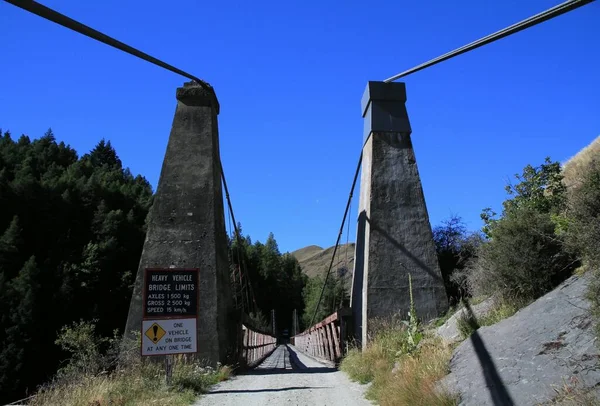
{"points": [[498, 392], [297, 367], [280, 371], [266, 390]]}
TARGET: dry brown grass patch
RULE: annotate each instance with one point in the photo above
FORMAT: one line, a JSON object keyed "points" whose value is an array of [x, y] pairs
{"points": [[575, 168], [415, 378]]}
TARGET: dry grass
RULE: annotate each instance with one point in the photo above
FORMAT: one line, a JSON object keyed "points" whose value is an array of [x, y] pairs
{"points": [[118, 376], [305, 253], [577, 166], [387, 340], [137, 385], [502, 311], [571, 393], [440, 321], [499, 312], [399, 378], [415, 378]]}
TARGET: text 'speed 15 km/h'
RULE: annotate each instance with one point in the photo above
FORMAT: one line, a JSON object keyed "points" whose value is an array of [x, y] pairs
{"points": [[171, 293]]}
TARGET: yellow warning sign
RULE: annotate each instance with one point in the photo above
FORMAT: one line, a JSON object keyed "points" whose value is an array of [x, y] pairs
{"points": [[155, 333]]}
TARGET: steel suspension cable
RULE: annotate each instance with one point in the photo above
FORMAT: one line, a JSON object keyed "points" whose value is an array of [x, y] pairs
{"points": [[346, 266], [61, 19], [230, 246], [337, 243], [237, 233], [238, 288], [513, 29]]}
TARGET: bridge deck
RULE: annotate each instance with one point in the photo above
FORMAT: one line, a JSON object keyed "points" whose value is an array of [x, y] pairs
{"points": [[287, 377], [279, 359]]}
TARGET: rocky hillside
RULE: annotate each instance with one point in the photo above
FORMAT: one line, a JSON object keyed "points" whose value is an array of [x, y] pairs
{"points": [[538, 356]]}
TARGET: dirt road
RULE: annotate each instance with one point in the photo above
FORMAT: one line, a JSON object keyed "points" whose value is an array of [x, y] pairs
{"points": [[287, 377]]}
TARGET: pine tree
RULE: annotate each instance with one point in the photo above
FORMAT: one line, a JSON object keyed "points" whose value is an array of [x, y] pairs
{"points": [[74, 226], [10, 241], [104, 154]]}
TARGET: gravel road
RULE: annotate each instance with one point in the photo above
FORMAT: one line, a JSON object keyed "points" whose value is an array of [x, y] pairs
{"points": [[287, 377]]}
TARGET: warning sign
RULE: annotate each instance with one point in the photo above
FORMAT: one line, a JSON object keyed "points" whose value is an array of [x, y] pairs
{"points": [[170, 309], [155, 333], [171, 336]]}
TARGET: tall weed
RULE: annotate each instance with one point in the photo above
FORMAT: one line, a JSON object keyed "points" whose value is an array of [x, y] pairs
{"points": [[403, 366]]}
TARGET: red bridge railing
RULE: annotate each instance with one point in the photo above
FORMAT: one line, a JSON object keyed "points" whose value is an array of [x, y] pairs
{"points": [[328, 339], [255, 344]]}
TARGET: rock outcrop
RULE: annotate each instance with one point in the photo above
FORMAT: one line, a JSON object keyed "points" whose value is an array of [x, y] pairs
{"points": [[449, 330], [526, 358]]}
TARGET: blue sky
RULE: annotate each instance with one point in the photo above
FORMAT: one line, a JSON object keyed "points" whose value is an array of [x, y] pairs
{"points": [[290, 76]]}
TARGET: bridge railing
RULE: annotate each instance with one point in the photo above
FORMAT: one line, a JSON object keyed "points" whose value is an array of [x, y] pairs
{"points": [[255, 344], [328, 339]]}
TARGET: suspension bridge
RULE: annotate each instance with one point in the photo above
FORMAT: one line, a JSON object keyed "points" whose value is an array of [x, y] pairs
{"points": [[187, 229]]}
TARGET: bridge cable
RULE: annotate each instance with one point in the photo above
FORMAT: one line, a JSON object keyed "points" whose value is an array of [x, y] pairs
{"points": [[337, 243], [242, 287], [236, 271], [239, 243], [237, 234], [230, 258], [346, 260], [61, 19], [513, 29]]}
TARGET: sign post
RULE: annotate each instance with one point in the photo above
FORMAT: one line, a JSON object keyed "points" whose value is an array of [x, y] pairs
{"points": [[170, 311]]}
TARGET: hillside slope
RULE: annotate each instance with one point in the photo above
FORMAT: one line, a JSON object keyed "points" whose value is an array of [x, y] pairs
{"points": [[315, 260], [574, 168], [525, 359]]}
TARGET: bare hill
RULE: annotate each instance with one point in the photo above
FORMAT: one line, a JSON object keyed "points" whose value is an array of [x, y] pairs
{"points": [[305, 253], [315, 260], [578, 164]]}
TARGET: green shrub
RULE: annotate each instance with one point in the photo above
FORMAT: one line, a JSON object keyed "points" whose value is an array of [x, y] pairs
{"points": [[523, 258], [90, 354], [455, 247]]}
